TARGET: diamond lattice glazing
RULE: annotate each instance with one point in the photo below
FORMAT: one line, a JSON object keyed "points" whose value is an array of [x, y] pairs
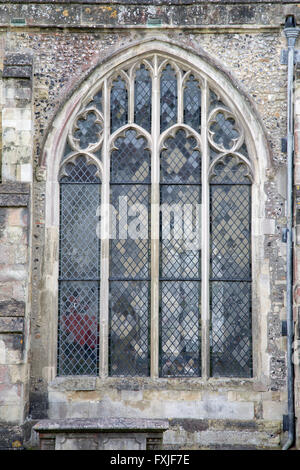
{"points": [[129, 328]]}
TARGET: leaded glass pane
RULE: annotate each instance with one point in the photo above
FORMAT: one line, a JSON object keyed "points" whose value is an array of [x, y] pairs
{"points": [[180, 329], [180, 257], [192, 103], [231, 340], [78, 334], [168, 98], [129, 328], [79, 243], [230, 170], [230, 219], [80, 172], [129, 255], [118, 104], [230, 232], [180, 231], [142, 95], [130, 163], [181, 161], [79, 270]]}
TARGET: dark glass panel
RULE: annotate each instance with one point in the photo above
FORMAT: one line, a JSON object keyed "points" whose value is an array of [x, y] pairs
{"points": [[215, 101], [97, 101], [230, 170], [180, 257], [130, 257]]}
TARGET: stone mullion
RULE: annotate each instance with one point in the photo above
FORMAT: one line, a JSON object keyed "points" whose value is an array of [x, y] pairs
{"points": [[205, 307], [104, 268], [180, 98], [155, 200], [131, 98]]}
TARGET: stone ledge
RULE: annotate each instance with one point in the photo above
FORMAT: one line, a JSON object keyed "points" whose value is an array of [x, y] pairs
{"points": [[146, 2], [101, 434], [140, 13], [102, 425]]}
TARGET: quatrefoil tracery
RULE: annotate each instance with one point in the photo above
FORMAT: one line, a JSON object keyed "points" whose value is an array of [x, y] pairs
{"points": [[86, 134], [224, 134]]}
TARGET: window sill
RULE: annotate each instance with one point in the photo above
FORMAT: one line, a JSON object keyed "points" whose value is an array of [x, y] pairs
{"points": [[88, 383]]}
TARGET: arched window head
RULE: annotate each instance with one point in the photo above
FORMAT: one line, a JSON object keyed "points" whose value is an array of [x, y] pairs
{"points": [[167, 269]]}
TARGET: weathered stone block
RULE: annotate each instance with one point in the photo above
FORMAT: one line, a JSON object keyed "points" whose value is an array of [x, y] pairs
{"points": [[273, 410], [10, 413], [15, 272], [11, 437], [13, 200], [17, 71], [10, 394], [11, 348], [18, 59], [11, 325]]}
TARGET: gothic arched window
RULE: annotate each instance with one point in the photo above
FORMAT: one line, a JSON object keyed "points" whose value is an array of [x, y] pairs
{"points": [[160, 285]]}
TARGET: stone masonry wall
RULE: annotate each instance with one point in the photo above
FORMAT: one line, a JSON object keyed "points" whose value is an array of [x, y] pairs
{"points": [[16, 157], [58, 44], [14, 333]]}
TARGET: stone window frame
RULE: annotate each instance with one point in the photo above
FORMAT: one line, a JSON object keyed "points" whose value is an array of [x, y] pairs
{"points": [[256, 143]]}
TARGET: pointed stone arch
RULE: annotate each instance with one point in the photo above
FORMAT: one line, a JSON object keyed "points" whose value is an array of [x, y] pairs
{"points": [[219, 81]]}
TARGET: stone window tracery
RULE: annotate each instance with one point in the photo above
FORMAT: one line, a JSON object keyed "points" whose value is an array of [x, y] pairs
{"points": [[161, 284]]}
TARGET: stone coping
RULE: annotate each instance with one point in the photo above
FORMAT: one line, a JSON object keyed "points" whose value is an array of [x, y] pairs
{"points": [[101, 425], [150, 2]]}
